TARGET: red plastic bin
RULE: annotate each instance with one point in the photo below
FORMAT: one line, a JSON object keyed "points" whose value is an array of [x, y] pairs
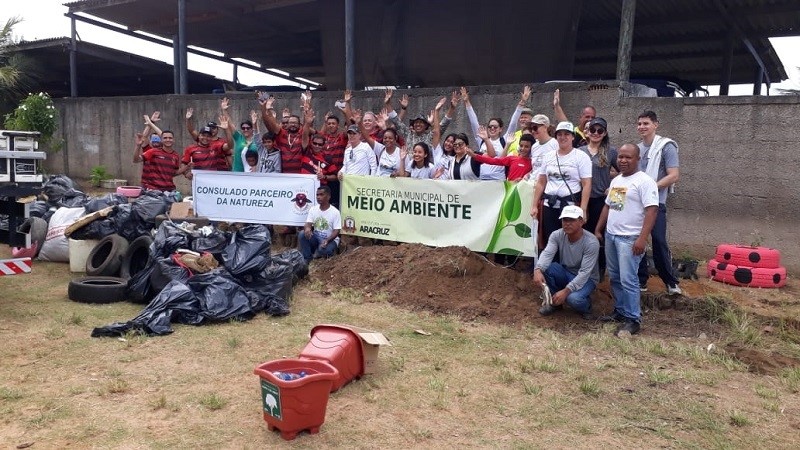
{"points": [[341, 348], [296, 405]]}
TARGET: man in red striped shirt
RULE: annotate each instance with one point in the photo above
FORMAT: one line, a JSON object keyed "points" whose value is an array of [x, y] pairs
{"points": [[200, 156], [160, 161], [289, 140]]}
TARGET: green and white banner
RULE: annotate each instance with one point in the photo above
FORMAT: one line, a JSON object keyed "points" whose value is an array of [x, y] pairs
{"points": [[484, 216]]}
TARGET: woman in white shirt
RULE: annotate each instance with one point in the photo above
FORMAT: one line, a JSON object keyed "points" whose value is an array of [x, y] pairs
{"points": [[421, 163]]}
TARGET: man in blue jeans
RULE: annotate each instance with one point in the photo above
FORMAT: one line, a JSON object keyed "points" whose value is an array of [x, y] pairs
{"points": [[573, 278], [320, 236], [627, 218], [659, 160]]}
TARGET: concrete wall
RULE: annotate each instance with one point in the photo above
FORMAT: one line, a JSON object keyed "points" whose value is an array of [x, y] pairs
{"points": [[738, 178]]}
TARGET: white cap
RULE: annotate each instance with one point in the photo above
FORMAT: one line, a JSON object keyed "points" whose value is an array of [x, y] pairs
{"points": [[571, 211], [565, 126]]}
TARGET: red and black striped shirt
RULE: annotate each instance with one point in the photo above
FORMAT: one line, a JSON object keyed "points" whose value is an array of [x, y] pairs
{"points": [[159, 168], [310, 161], [291, 148], [204, 158]]}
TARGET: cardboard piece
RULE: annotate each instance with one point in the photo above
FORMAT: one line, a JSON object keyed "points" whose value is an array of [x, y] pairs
{"points": [[180, 210], [371, 343]]}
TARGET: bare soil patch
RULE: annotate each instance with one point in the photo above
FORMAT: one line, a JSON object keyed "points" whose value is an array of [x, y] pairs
{"points": [[455, 280]]}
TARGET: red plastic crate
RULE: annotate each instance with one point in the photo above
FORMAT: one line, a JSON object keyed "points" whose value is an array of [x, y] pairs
{"points": [[296, 405], [339, 347]]}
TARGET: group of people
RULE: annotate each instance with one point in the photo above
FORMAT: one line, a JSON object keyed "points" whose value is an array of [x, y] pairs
{"points": [[596, 205]]}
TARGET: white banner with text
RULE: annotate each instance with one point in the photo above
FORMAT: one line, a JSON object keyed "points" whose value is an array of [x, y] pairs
{"points": [[484, 216], [271, 198]]}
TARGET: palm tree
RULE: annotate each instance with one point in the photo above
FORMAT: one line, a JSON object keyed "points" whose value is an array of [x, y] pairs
{"points": [[15, 70]]}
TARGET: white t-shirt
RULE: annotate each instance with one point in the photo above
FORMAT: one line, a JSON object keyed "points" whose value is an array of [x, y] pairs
{"points": [[564, 173], [538, 151], [324, 222], [388, 162], [627, 198], [424, 173], [490, 171]]}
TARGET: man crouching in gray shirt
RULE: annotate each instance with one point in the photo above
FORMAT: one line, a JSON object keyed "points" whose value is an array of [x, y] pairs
{"points": [[573, 278]]}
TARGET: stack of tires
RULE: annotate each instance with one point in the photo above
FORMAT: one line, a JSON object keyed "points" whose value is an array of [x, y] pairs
{"points": [[108, 267], [741, 265]]}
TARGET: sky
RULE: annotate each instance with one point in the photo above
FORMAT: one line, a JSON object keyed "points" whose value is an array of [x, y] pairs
{"points": [[44, 19]]}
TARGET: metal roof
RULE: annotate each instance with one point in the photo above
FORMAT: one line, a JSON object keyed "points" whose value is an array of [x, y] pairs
{"points": [[105, 72], [673, 39]]}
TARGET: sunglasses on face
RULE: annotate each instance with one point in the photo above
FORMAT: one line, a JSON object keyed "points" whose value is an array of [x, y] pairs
{"points": [[597, 131], [247, 128], [459, 144], [318, 144], [493, 126]]}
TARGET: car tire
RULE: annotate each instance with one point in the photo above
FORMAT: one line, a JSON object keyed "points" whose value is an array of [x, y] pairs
{"points": [[744, 255], [97, 289], [106, 257], [746, 276], [136, 257]]}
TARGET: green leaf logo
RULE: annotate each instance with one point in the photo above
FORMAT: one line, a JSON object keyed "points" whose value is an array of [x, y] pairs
{"points": [[522, 230], [513, 206]]}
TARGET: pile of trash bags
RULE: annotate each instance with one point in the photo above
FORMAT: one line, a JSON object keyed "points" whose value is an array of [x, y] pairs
{"points": [[230, 275], [62, 204]]}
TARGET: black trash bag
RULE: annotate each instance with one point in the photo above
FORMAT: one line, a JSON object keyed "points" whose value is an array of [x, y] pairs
{"points": [[248, 251], [176, 303], [38, 209], [168, 239], [95, 204], [214, 243], [55, 187], [275, 279], [220, 296], [139, 289], [269, 303], [121, 217], [294, 258], [98, 229], [72, 198], [165, 271]]}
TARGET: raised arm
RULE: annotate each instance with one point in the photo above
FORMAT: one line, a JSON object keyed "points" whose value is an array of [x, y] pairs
{"points": [[190, 123], [137, 149], [514, 121], [401, 166], [151, 122], [254, 119], [308, 126], [436, 134], [401, 116], [451, 113], [226, 124], [266, 103], [560, 116], [473, 118], [401, 127]]}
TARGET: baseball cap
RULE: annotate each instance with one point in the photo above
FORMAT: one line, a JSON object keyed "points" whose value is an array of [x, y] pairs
{"points": [[598, 121], [206, 130], [212, 125], [541, 119], [527, 111], [353, 129], [419, 117], [565, 126], [571, 212], [155, 138]]}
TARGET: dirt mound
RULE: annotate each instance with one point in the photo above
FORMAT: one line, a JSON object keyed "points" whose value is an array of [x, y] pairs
{"points": [[455, 280]]}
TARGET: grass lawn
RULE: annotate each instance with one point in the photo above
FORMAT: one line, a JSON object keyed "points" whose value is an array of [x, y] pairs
{"points": [[461, 384]]}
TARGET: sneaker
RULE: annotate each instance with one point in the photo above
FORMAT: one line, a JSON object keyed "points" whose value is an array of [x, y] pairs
{"points": [[642, 288], [674, 290], [546, 310], [587, 315], [630, 327], [613, 317]]}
